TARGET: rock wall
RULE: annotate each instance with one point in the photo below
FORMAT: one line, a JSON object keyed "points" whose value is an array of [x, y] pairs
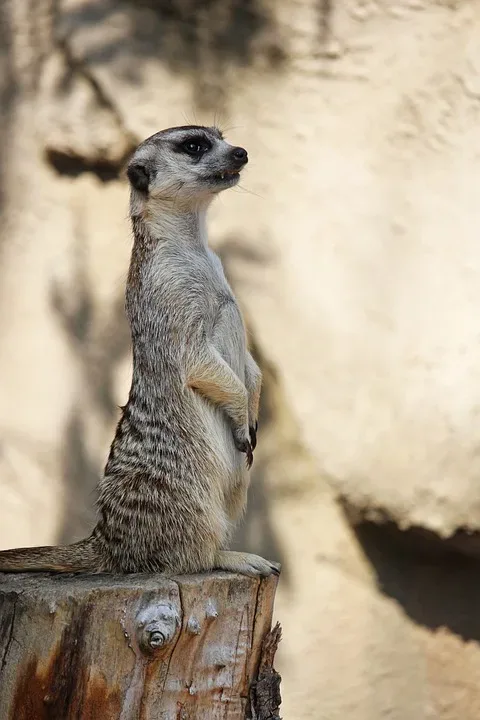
{"points": [[353, 246]]}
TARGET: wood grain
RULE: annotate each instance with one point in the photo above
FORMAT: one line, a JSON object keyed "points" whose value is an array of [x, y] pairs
{"points": [[136, 647]]}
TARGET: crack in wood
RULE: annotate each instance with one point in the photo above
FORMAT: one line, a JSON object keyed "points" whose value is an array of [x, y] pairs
{"points": [[10, 632], [176, 641], [265, 691]]}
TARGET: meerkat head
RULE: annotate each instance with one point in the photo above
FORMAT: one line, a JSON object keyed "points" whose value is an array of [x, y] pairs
{"points": [[186, 165]]}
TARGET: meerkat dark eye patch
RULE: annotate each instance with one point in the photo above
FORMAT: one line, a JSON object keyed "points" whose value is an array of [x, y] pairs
{"points": [[139, 177], [194, 146]]}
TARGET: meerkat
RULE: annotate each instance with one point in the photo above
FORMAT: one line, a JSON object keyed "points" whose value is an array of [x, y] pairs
{"points": [[176, 480]]}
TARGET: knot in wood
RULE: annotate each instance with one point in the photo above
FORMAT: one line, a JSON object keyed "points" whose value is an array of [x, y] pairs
{"points": [[157, 625], [156, 639], [193, 626]]}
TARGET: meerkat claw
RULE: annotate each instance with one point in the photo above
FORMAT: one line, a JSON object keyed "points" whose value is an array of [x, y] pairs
{"points": [[246, 564], [253, 435], [244, 446], [249, 453]]}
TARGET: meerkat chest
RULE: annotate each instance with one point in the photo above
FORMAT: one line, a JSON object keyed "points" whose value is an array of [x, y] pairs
{"points": [[194, 297]]}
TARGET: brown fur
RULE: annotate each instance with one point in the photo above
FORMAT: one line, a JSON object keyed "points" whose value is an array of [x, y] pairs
{"points": [[175, 482]]}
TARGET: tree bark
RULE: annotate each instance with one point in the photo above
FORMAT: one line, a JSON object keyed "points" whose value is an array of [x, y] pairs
{"points": [[138, 647]]}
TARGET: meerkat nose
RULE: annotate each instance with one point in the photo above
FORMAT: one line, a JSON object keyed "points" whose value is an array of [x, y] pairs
{"points": [[239, 156]]}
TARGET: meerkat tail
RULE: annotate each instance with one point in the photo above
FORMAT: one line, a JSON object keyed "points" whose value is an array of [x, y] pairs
{"points": [[79, 557]]}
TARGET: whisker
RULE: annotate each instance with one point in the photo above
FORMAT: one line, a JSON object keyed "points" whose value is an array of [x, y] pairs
{"points": [[228, 128], [248, 192], [191, 117]]}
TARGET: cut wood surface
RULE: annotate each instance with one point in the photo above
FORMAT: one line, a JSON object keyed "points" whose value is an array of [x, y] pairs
{"points": [[136, 647]]}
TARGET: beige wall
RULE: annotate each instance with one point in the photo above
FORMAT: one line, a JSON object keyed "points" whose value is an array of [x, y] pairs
{"points": [[353, 246]]}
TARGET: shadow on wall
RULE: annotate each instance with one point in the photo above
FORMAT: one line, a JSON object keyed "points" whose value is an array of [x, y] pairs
{"points": [[100, 350], [282, 467], [435, 584], [8, 93], [204, 39]]}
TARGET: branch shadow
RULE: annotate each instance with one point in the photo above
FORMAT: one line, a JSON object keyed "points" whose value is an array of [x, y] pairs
{"points": [[8, 96], [80, 477], [99, 355], [202, 39]]}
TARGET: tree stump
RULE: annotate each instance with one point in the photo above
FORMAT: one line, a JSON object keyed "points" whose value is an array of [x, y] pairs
{"points": [[136, 647]]}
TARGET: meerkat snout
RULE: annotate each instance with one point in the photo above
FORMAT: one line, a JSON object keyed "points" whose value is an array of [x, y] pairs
{"points": [[239, 156]]}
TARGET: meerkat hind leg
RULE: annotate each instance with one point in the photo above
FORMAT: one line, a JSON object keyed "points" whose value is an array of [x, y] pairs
{"points": [[245, 563]]}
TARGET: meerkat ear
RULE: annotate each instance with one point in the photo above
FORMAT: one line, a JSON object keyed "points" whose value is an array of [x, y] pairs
{"points": [[139, 177]]}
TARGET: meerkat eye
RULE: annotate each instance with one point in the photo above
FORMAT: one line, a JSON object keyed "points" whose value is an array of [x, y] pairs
{"points": [[195, 147]]}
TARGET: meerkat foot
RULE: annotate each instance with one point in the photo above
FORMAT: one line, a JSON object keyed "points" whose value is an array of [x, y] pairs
{"points": [[243, 445], [253, 435], [245, 564]]}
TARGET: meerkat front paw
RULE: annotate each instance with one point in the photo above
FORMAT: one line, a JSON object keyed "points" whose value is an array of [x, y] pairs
{"points": [[246, 564], [244, 445]]}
